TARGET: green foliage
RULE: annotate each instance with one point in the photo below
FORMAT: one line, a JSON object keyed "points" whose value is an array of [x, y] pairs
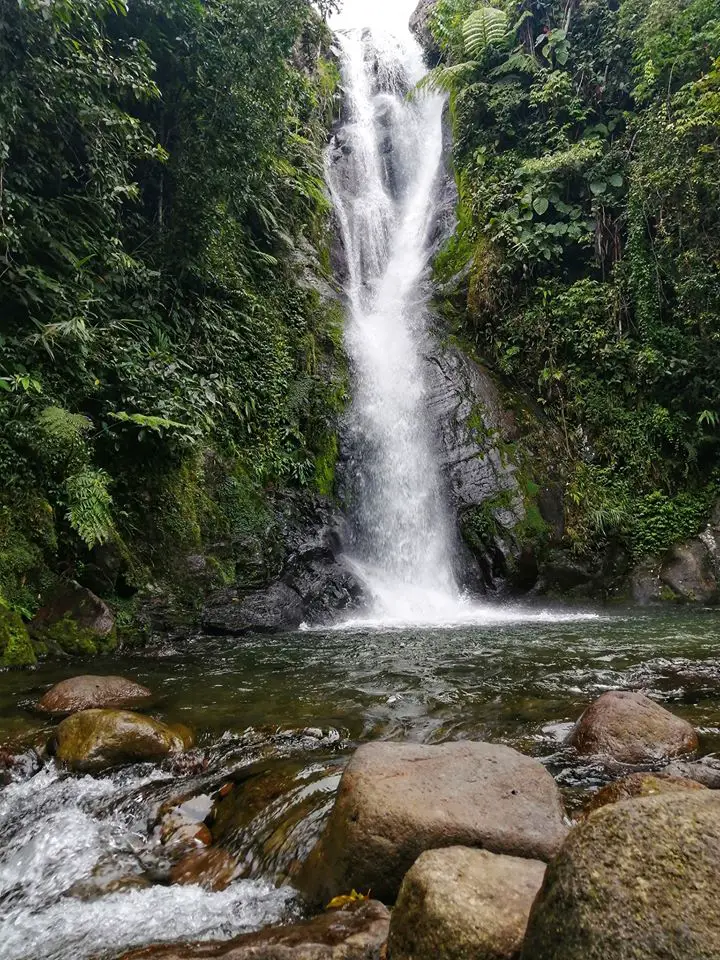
{"points": [[161, 210], [588, 164]]}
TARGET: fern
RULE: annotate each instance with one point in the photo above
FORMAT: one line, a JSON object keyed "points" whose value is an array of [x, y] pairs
{"points": [[89, 502], [483, 27], [446, 79], [57, 423]]}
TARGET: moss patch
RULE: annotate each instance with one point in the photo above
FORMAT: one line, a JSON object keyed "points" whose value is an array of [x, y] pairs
{"points": [[66, 637], [16, 648]]}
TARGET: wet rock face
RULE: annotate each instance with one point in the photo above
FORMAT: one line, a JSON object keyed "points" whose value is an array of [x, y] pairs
{"points": [[358, 932], [313, 582], [630, 728], [420, 29], [473, 426], [636, 881], [463, 904], [213, 869], [397, 800], [89, 692], [640, 785], [690, 571], [93, 740]]}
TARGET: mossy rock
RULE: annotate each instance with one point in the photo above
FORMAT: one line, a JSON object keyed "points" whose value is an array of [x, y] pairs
{"points": [[94, 740], [16, 647], [637, 880]]}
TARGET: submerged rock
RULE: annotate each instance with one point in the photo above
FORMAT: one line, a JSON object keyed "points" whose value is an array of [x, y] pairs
{"points": [[90, 692], [358, 932], [640, 785], [630, 728], [93, 740], [635, 881], [397, 800], [212, 868], [463, 904]]}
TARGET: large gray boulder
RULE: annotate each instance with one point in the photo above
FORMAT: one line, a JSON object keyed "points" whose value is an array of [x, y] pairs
{"points": [[630, 728], [397, 800], [356, 933], [464, 904], [637, 880], [267, 610]]}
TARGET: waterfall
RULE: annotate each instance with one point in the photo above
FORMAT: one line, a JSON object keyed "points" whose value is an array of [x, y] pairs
{"points": [[383, 169]]}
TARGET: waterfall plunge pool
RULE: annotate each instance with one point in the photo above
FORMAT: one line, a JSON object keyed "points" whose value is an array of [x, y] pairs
{"points": [[278, 717]]}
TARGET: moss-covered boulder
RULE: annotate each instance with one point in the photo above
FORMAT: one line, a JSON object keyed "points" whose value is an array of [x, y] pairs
{"points": [[72, 620], [94, 740], [630, 728], [16, 648], [637, 880], [640, 785], [89, 693]]}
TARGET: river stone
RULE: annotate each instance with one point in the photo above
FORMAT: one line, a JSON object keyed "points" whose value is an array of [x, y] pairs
{"points": [[640, 785], [88, 692], [637, 880], [630, 728], [93, 740], [397, 800], [358, 932], [706, 771], [464, 904]]}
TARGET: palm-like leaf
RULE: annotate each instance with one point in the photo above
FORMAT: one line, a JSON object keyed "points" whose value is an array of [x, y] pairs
{"points": [[483, 27]]}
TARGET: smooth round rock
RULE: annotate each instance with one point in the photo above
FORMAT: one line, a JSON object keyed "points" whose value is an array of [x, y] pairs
{"points": [[630, 728], [397, 800], [89, 693], [637, 880], [464, 904], [93, 740], [356, 933], [640, 785]]}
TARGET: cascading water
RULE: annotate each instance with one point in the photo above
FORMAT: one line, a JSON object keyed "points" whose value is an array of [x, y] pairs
{"points": [[383, 174]]}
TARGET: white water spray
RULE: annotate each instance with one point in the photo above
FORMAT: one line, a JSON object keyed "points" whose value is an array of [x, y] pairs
{"points": [[383, 174]]}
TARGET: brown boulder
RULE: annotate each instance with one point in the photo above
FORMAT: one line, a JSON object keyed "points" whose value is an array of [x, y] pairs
{"points": [[634, 881], [463, 904], [88, 693], [639, 785], [93, 740], [630, 728], [397, 800], [357, 933]]}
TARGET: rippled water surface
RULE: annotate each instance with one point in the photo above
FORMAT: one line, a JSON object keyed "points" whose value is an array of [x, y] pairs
{"points": [[251, 702]]}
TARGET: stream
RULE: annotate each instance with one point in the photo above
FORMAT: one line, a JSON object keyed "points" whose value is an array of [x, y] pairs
{"points": [[82, 870]]}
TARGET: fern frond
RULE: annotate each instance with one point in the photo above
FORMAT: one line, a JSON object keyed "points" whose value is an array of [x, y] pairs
{"points": [[89, 502], [482, 28], [57, 423], [446, 79]]}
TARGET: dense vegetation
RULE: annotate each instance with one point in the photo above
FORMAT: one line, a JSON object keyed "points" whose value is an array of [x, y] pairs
{"points": [[165, 355], [587, 150]]}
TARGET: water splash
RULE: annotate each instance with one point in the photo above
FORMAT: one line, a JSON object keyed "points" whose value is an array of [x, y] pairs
{"points": [[383, 172]]}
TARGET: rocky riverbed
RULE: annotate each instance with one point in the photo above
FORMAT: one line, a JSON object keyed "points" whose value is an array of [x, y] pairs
{"points": [[464, 795]]}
